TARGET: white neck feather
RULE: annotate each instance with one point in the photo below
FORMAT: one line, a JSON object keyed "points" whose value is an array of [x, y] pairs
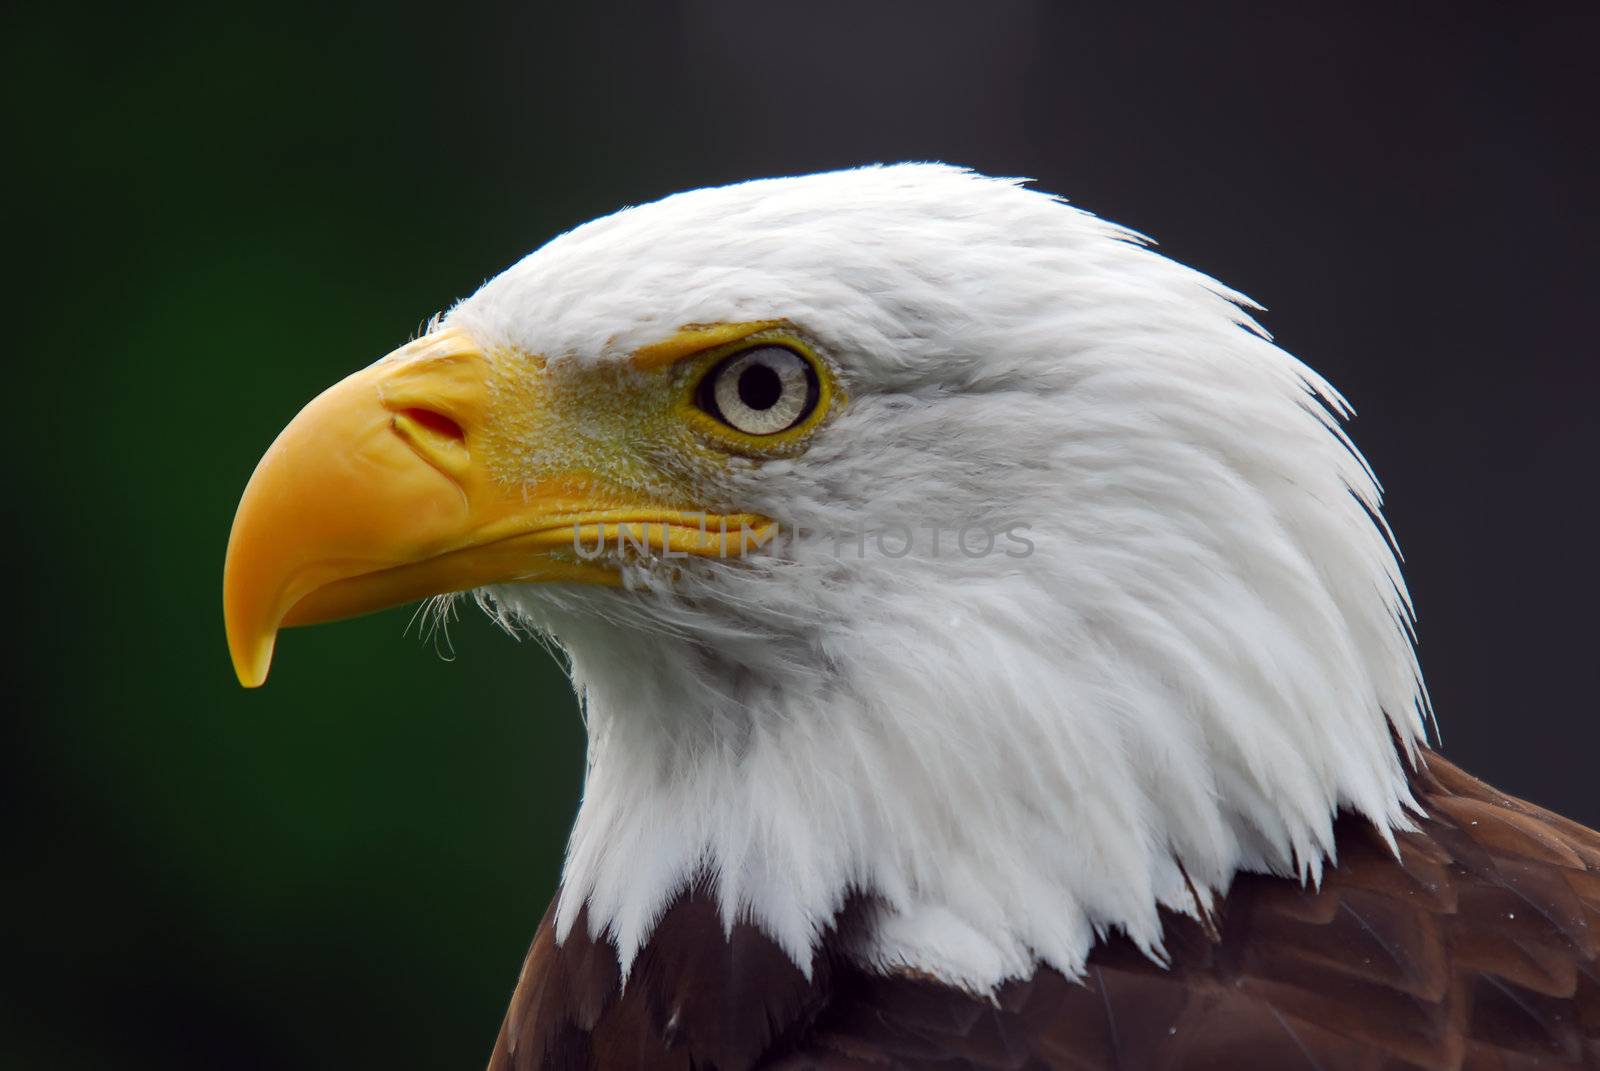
{"points": [[1187, 678]]}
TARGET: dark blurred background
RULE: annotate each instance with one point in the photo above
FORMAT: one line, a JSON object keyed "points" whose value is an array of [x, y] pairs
{"points": [[219, 214]]}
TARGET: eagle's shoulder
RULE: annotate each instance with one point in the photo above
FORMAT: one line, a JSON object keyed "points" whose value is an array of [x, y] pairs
{"points": [[696, 996], [1475, 948]]}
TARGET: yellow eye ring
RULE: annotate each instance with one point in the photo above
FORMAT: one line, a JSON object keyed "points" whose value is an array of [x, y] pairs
{"points": [[761, 395]]}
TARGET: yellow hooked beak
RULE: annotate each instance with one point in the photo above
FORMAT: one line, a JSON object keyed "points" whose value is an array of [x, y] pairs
{"points": [[378, 493]]}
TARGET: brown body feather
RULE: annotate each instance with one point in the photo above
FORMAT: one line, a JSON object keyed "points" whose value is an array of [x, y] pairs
{"points": [[1476, 949]]}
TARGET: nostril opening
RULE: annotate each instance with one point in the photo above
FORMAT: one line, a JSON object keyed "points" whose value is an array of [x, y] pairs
{"points": [[437, 423]]}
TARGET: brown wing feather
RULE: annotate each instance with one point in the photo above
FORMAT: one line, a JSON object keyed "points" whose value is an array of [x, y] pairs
{"points": [[696, 997], [1476, 949]]}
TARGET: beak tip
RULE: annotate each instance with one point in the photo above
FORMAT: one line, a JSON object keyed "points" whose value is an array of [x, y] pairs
{"points": [[251, 662]]}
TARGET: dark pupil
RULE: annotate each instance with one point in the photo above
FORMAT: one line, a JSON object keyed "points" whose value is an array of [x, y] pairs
{"points": [[759, 387]]}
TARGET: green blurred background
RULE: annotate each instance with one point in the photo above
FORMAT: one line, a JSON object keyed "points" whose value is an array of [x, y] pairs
{"points": [[221, 213]]}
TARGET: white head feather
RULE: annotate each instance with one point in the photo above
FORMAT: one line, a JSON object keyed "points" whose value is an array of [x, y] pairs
{"points": [[1205, 655]]}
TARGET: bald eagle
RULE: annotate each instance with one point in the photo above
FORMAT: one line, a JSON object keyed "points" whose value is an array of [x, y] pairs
{"points": [[991, 650]]}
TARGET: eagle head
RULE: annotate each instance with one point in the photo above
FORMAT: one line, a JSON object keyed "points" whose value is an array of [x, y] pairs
{"points": [[911, 534]]}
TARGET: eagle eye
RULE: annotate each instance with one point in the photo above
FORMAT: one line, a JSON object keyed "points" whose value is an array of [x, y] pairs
{"points": [[763, 390]]}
